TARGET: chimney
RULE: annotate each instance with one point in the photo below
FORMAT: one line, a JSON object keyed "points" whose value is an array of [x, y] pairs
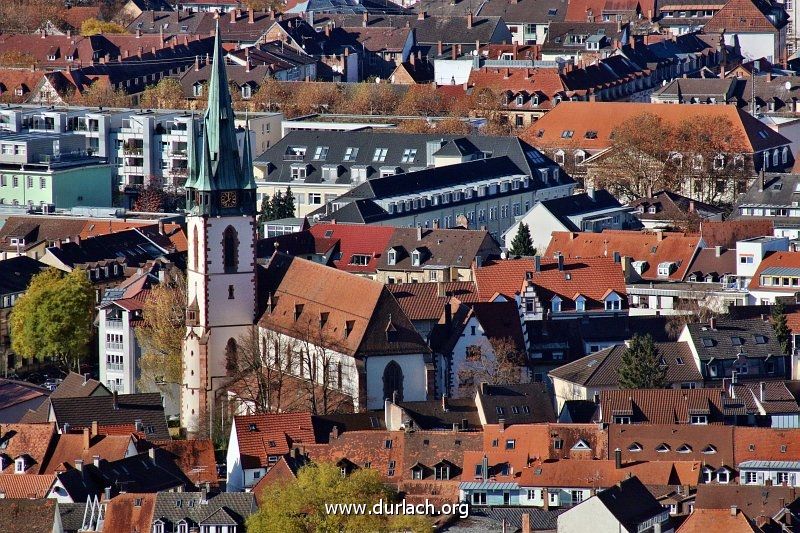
{"points": [[233, 16], [251, 16], [95, 428], [439, 48], [328, 30], [444, 403], [448, 314], [440, 292], [413, 59], [86, 439], [293, 453], [78, 239], [617, 458], [422, 15], [546, 499], [718, 251], [734, 510], [454, 52], [769, 76], [79, 465], [115, 405], [365, 20], [160, 229], [96, 461], [485, 467], [469, 19], [138, 33], [761, 391], [152, 453], [712, 323], [526, 523], [560, 262], [196, 63], [502, 423], [537, 263], [335, 431]]}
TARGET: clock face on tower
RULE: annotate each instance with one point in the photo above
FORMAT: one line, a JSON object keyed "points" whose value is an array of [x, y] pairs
{"points": [[228, 199]]}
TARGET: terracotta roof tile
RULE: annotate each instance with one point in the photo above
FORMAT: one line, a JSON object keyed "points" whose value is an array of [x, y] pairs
{"points": [[362, 447], [662, 406], [37, 515], [739, 16], [773, 261], [122, 513], [766, 444], [72, 446], [26, 486], [654, 247], [260, 436], [194, 457], [702, 520], [711, 444], [352, 239], [546, 82], [752, 500], [728, 232], [602, 117], [426, 301], [604, 473], [30, 440]]}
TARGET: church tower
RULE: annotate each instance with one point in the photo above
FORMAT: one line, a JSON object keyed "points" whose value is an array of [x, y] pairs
{"points": [[221, 229]]}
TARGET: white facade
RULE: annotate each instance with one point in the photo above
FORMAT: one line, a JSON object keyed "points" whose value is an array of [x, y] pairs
{"points": [[224, 303], [775, 472], [119, 350], [593, 515], [758, 45], [750, 253]]}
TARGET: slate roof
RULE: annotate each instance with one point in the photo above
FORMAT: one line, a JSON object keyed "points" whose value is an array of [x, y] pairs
{"points": [[630, 503], [17, 397], [74, 386], [603, 117], [578, 204], [130, 246], [709, 262], [663, 406], [777, 190], [766, 397], [81, 412], [369, 316], [672, 206], [367, 142], [654, 247], [16, 274], [429, 415], [441, 247], [71, 515], [539, 519], [600, 369], [509, 402], [37, 515], [225, 508], [753, 337]]}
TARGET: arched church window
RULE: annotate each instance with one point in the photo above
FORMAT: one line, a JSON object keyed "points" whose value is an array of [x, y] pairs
{"points": [[230, 249], [231, 356], [393, 381]]}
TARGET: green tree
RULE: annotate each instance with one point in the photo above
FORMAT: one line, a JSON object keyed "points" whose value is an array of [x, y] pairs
{"points": [[522, 244], [780, 326], [299, 505], [265, 212], [54, 317], [277, 205], [288, 204], [641, 366]]}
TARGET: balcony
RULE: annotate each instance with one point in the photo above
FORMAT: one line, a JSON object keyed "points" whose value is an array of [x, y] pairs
{"points": [[114, 346], [113, 324], [114, 367]]}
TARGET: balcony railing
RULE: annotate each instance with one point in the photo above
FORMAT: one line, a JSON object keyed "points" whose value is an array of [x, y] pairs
{"points": [[114, 366], [113, 324], [114, 346]]}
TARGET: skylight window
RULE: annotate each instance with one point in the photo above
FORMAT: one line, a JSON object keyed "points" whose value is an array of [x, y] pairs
{"points": [[635, 447], [708, 343], [567, 134], [552, 12], [351, 153], [679, 361], [760, 339], [591, 135], [321, 153], [662, 448], [709, 449], [736, 341], [380, 155], [684, 448], [409, 154]]}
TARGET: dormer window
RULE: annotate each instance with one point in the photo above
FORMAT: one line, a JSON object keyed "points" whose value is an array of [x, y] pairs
{"points": [[613, 302], [298, 310], [683, 448], [555, 304], [635, 447], [520, 99], [391, 257], [416, 258], [19, 465], [662, 448], [709, 449], [652, 210], [197, 89], [580, 304], [348, 327], [699, 420]]}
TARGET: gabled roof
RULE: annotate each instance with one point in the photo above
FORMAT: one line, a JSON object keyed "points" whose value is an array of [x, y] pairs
{"points": [[766, 444], [194, 457], [130, 512], [602, 117], [34, 441], [72, 446], [527, 403], [16, 273], [350, 240], [729, 520], [36, 230], [130, 246], [728, 232], [353, 326], [441, 248], [37, 515], [710, 262], [662, 406], [671, 206], [27, 486], [752, 500], [81, 412], [422, 301], [579, 204], [604, 473], [73, 386], [17, 397], [260, 436], [654, 247], [711, 444], [776, 264], [630, 503], [600, 369], [742, 16]]}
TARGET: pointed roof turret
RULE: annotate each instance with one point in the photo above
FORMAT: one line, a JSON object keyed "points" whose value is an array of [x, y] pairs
{"points": [[249, 180]]}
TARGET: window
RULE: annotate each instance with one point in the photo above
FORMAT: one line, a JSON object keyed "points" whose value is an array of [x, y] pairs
{"points": [[750, 478], [663, 447], [19, 466], [567, 134], [409, 154], [698, 419], [42, 183], [577, 496], [683, 448], [299, 172], [351, 153], [360, 259], [723, 476], [380, 155], [709, 449], [315, 198], [555, 304], [782, 477], [230, 245], [511, 444], [746, 259], [708, 475], [622, 419], [635, 447], [478, 498], [321, 153]]}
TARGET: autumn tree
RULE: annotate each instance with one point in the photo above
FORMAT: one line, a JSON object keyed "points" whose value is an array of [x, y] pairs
{"points": [[641, 366], [299, 505], [27, 16], [166, 94], [162, 330], [150, 200], [15, 58], [264, 5], [522, 243], [639, 160], [272, 95], [500, 363], [101, 94], [421, 100], [93, 26], [688, 311], [54, 317], [453, 126], [781, 327]]}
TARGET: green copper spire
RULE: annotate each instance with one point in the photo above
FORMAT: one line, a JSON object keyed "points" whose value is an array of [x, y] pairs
{"points": [[221, 185]]}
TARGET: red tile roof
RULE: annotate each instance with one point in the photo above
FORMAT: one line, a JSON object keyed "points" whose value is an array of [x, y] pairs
{"points": [[728, 232], [194, 457], [662, 406], [585, 11], [546, 82], [604, 473], [602, 117], [72, 446], [422, 301], [31, 440], [260, 436], [26, 486], [352, 239], [775, 260], [739, 16], [712, 444], [654, 247], [766, 444], [592, 277], [122, 513], [12, 79], [703, 520]]}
